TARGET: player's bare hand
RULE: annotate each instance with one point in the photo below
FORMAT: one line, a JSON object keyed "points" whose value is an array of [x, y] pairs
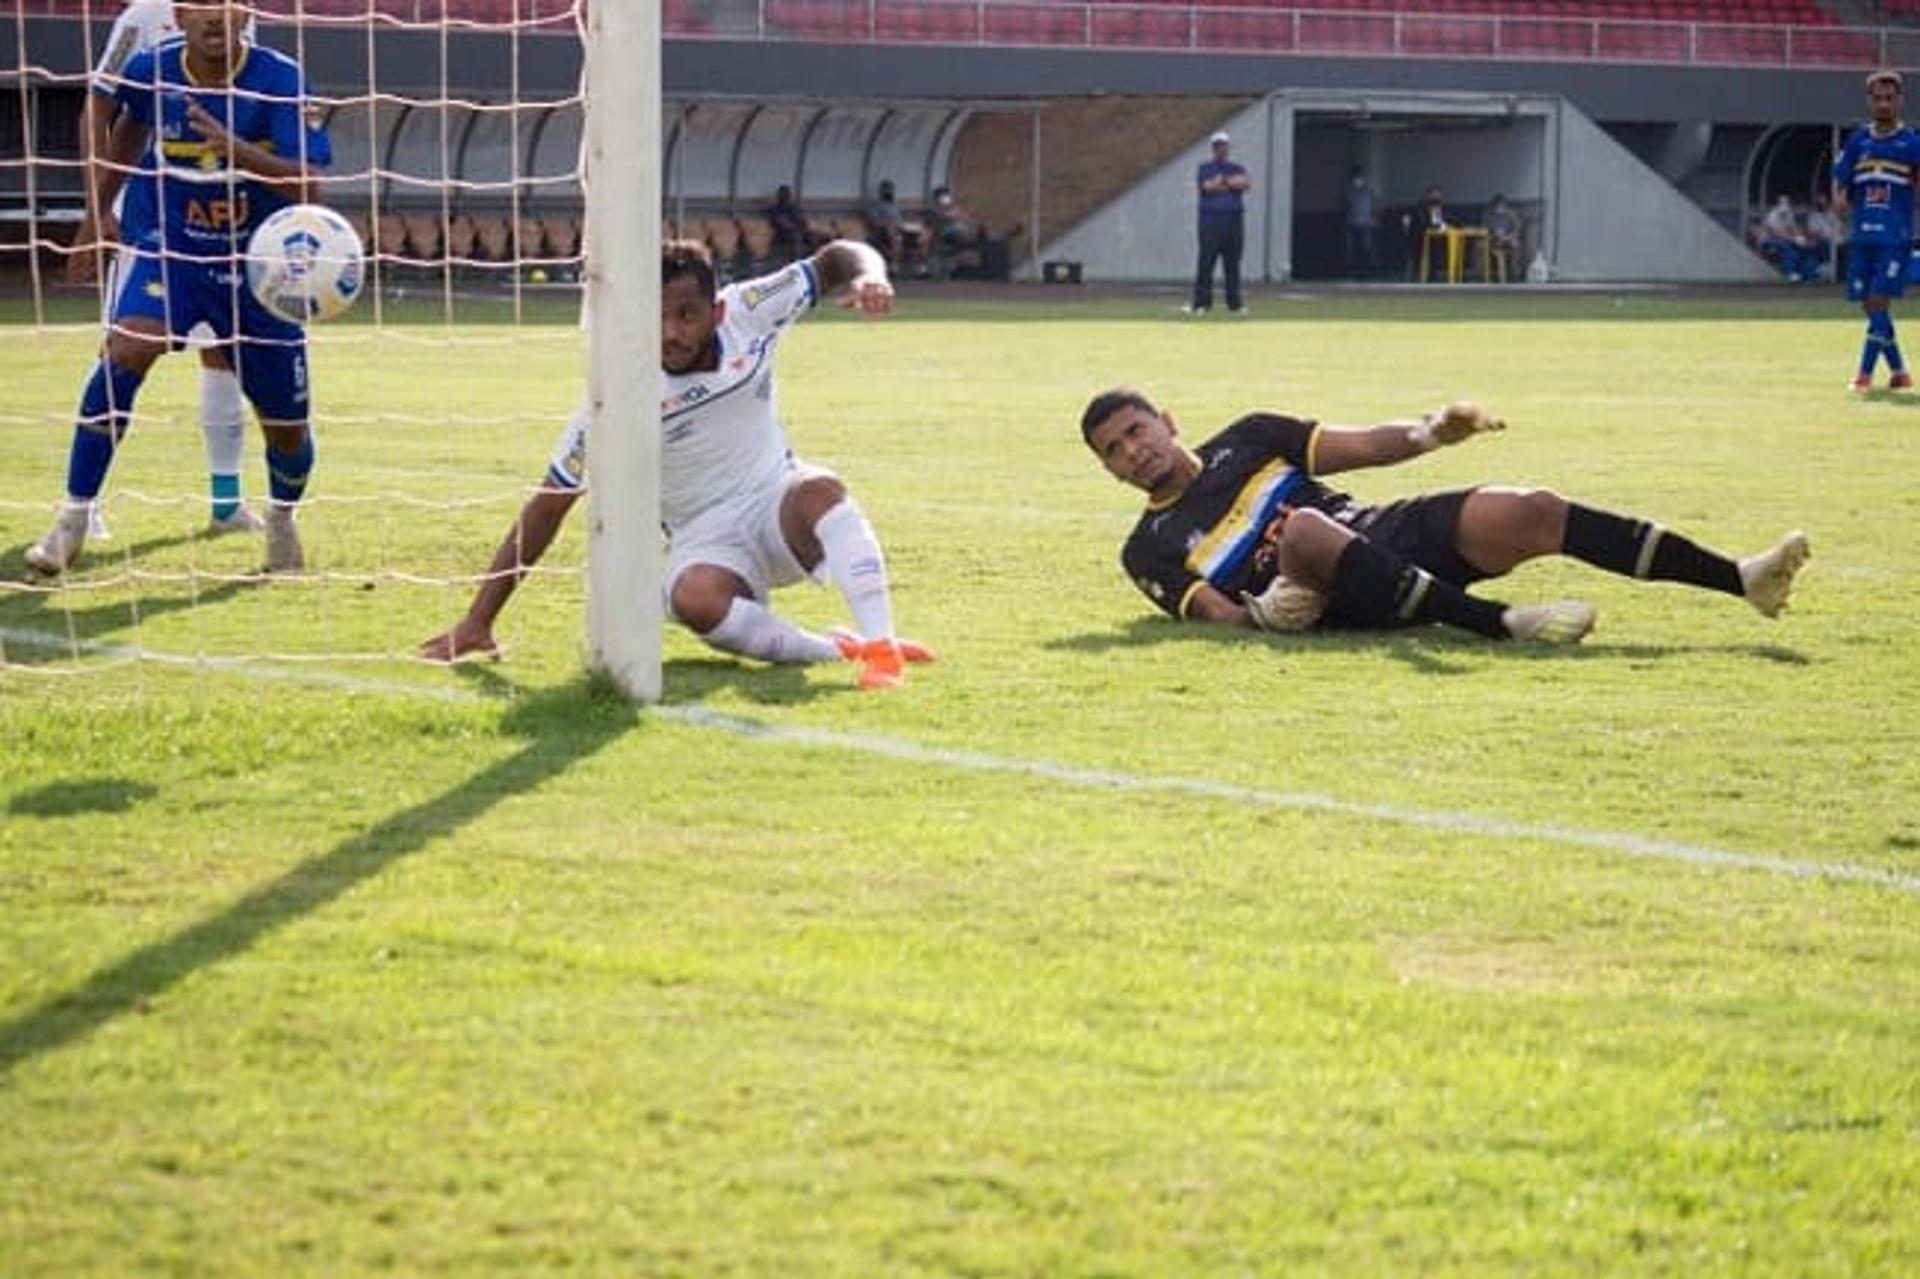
{"points": [[205, 123], [1452, 423], [83, 262], [869, 295], [465, 642]]}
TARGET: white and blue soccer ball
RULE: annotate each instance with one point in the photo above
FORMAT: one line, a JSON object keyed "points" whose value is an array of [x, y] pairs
{"points": [[305, 263]]}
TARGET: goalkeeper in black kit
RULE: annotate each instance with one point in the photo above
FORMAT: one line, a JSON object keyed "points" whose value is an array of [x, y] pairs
{"points": [[1241, 531]]}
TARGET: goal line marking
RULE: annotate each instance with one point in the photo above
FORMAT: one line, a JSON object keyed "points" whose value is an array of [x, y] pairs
{"points": [[1619, 843]]}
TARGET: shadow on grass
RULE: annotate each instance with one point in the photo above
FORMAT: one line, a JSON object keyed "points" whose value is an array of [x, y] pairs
{"points": [[81, 795], [37, 626], [1425, 647], [695, 679], [562, 727]]}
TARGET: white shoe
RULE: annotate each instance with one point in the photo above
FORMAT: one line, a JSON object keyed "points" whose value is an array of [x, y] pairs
{"points": [[243, 520], [1767, 578], [1195, 311], [283, 541], [97, 522], [1560, 622], [61, 546]]}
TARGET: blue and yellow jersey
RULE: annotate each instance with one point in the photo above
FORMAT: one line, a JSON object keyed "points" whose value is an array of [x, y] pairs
{"points": [[206, 208], [1215, 532], [1878, 172]]}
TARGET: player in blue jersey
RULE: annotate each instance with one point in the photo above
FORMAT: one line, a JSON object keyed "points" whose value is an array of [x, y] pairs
{"points": [[145, 24], [221, 124], [1874, 177], [1242, 530]]}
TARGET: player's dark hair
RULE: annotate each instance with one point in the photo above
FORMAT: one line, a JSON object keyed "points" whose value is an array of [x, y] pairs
{"points": [[687, 257], [1107, 403], [1887, 75]]}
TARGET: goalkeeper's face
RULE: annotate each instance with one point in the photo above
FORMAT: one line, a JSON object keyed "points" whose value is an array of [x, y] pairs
{"points": [[1138, 447]]}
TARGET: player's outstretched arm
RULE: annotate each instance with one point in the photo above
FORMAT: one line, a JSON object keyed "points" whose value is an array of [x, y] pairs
{"points": [[532, 533], [1351, 448], [858, 268]]}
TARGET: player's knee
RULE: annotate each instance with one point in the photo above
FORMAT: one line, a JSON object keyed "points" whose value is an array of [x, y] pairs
{"points": [[1540, 516], [816, 495], [1310, 542], [133, 350], [701, 597]]}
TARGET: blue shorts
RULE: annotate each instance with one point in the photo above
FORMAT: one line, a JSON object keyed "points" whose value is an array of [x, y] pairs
{"points": [[269, 354], [1876, 270]]}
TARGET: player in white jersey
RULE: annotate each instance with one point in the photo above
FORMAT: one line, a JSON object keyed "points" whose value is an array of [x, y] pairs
{"points": [[143, 24], [743, 514]]}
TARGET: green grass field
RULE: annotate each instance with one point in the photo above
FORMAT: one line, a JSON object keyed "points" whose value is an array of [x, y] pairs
{"points": [[1107, 947]]}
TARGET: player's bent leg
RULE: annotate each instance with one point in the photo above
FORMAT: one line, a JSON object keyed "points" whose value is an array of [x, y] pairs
{"points": [[717, 604], [823, 525], [1502, 527]]}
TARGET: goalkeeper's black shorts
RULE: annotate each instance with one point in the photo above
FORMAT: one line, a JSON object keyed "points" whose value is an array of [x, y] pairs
{"points": [[1422, 529]]}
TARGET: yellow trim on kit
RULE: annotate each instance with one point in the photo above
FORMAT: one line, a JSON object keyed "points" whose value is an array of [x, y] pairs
{"points": [[1186, 597], [1235, 519]]}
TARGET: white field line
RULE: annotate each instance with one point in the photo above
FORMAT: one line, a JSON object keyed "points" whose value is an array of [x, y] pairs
{"points": [[1619, 843]]}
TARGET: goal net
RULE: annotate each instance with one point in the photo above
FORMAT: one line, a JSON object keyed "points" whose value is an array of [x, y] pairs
{"points": [[476, 167]]}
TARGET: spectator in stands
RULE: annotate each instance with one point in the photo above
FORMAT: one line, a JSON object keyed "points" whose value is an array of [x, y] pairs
{"points": [[1785, 242], [1503, 237], [961, 246], [791, 238], [1429, 215], [889, 230], [1827, 236], [1359, 223], [1222, 226]]}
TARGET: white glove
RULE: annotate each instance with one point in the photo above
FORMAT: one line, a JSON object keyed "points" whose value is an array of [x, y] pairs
{"points": [[1452, 423], [1285, 606]]}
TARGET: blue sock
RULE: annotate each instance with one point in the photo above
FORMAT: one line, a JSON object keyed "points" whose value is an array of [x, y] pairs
{"points": [[287, 472], [1889, 344], [1876, 339], [226, 494], [106, 407]]}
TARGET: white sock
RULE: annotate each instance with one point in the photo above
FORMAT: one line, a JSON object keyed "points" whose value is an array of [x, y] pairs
{"points": [[857, 567], [223, 419], [751, 629]]}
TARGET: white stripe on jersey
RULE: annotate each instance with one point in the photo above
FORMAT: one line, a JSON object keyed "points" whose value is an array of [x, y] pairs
{"points": [[720, 431]]}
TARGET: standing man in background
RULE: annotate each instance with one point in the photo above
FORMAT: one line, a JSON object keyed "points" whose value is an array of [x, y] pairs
{"points": [[1359, 221], [1222, 227], [1874, 177]]}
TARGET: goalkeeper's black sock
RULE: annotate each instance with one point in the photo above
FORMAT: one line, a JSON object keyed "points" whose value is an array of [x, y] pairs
{"points": [[1641, 548], [1375, 587]]}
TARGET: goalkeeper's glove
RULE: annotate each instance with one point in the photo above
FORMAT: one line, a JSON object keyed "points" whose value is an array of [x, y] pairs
{"points": [[1285, 606], [1452, 423]]}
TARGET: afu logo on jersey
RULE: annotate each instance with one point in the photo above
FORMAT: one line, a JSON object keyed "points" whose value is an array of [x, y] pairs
{"points": [[686, 399], [755, 294]]}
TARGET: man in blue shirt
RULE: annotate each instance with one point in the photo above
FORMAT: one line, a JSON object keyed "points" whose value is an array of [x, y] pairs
{"points": [[1874, 176], [229, 145], [1222, 227]]}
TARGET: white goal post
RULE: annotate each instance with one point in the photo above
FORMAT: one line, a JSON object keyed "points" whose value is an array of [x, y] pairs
{"points": [[624, 606]]}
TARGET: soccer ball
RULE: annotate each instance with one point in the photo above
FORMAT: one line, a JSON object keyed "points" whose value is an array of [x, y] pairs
{"points": [[305, 263]]}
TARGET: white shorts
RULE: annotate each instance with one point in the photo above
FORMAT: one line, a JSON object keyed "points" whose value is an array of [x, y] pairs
{"points": [[743, 536]]}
